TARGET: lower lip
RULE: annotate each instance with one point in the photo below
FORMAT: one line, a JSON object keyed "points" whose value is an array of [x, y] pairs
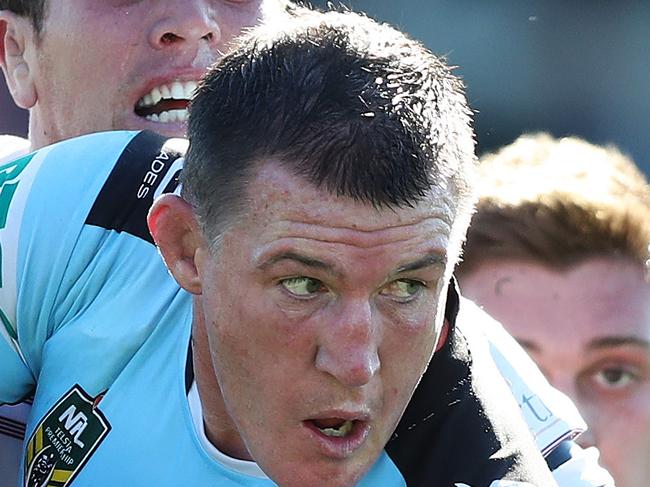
{"points": [[339, 447]]}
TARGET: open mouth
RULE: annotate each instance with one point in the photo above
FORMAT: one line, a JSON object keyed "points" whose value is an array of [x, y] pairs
{"points": [[334, 427], [338, 437], [167, 103]]}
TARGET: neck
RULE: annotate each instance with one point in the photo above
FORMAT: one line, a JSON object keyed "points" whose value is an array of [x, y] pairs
{"points": [[38, 136], [220, 429]]}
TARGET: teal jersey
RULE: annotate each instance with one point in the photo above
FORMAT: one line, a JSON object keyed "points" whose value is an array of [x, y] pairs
{"points": [[92, 319]]}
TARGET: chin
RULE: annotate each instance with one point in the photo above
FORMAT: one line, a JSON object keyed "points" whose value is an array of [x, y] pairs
{"points": [[318, 479], [329, 472]]}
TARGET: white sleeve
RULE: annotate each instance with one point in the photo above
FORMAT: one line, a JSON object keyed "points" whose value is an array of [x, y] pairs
{"points": [[12, 147], [583, 470], [16, 178], [550, 415]]}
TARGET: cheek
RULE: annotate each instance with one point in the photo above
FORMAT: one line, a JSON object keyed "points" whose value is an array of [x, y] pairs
{"points": [[413, 322], [400, 375], [249, 333], [624, 445], [84, 85], [258, 369], [233, 20], [622, 432], [413, 335], [629, 420]]}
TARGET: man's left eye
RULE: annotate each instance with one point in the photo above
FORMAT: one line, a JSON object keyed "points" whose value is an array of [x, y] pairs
{"points": [[403, 289], [302, 286]]}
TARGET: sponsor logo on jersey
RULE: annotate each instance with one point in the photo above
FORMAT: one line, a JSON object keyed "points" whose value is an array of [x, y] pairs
{"points": [[64, 440], [149, 166]]}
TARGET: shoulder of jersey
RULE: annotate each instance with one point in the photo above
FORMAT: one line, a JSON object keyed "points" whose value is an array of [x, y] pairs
{"points": [[134, 147], [135, 168]]}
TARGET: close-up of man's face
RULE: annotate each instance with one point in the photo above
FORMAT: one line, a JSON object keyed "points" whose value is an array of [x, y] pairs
{"points": [[321, 315], [588, 329], [109, 64]]}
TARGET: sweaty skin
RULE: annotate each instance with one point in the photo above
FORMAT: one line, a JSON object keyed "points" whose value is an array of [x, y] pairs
{"points": [[304, 315]]}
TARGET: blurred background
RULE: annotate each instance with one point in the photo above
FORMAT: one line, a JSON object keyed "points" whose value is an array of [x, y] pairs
{"points": [[567, 67]]}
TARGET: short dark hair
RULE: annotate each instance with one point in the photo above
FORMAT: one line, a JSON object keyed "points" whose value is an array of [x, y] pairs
{"points": [[352, 105], [33, 9], [558, 202]]}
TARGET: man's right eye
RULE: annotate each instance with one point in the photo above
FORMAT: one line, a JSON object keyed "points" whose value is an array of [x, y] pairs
{"points": [[302, 286], [615, 377]]}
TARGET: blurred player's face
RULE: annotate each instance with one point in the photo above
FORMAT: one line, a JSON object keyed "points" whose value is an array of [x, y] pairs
{"points": [[588, 328], [115, 64], [321, 314]]}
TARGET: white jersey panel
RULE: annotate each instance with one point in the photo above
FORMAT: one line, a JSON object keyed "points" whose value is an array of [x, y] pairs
{"points": [[12, 147], [550, 415], [16, 178]]}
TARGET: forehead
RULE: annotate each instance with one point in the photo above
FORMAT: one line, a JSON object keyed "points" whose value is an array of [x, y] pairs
{"points": [[599, 297], [277, 195]]}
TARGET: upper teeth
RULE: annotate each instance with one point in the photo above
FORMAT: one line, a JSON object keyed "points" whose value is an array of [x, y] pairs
{"points": [[177, 90], [339, 432]]}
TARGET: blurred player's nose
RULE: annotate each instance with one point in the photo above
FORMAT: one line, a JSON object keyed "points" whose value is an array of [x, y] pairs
{"points": [[586, 439], [566, 383], [185, 24]]}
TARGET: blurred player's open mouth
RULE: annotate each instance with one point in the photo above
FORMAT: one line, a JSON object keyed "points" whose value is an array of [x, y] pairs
{"points": [[338, 437], [166, 103]]}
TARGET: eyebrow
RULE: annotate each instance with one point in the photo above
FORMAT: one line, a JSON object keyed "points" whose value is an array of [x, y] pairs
{"points": [[433, 259], [596, 344], [303, 259], [618, 341], [429, 260]]}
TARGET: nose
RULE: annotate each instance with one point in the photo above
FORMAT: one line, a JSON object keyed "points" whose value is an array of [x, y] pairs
{"points": [[185, 23], [586, 439], [348, 349]]}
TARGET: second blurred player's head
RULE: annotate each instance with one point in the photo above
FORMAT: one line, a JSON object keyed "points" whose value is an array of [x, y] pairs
{"points": [[83, 66], [558, 252]]}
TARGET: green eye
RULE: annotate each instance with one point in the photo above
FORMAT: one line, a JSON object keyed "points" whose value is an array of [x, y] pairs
{"points": [[302, 286], [403, 289]]}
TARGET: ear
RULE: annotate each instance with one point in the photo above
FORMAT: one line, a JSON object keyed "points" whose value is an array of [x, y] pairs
{"points": [[17, 39], [179, 239]]}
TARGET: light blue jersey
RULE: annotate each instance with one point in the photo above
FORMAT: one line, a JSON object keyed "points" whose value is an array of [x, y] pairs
{"points": [[91, 316]]}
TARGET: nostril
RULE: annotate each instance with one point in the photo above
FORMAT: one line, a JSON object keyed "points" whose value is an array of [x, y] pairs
{"points": [[169, 38], [208, 37]]}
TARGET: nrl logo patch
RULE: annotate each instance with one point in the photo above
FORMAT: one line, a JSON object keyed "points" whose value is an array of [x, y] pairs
{"points": [[64, 440]]}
